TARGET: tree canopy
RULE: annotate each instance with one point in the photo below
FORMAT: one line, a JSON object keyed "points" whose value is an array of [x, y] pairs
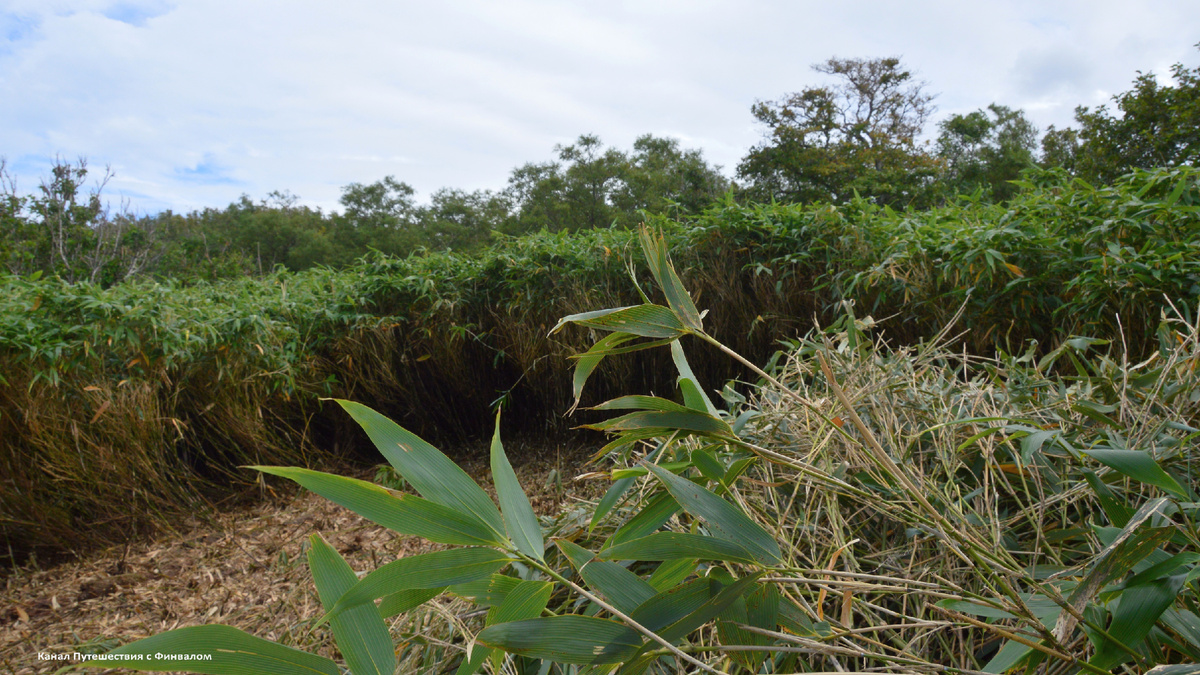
{"points": [[985, 150], [858, 134], [1153, 125]]}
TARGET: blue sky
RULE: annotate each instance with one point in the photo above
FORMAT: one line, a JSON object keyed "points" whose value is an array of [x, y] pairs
{"points": [[194, 103]]}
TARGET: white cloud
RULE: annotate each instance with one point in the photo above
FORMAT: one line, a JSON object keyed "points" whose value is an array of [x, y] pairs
{"points": [[194, 103]]}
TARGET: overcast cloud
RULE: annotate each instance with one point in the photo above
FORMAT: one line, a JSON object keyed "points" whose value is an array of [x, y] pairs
{"points": [[195, 103]]}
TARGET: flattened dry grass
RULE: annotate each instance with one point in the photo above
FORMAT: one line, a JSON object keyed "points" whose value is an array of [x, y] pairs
{"points": [[244, 568]]}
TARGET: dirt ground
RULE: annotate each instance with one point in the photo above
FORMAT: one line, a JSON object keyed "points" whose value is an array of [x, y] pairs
{"points": [[245, 568]]}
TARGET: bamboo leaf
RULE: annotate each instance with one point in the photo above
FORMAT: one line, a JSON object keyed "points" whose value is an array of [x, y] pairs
{"points": [[521, 521], [608, 345], [578, 555], [360, 633], [686, 421], [709, 609], [642, 403], [428, 570], [724, 518], [406, 514], [1140, 466], [488, 591], [652, 321], [671, 572], [676, 545], [1129, 548], [402, 601], [581, 640], [652, 516], [232, 652], [693, 393], [708, 465], [526, 601], [610, 499], [432, 474], [671, 605], [1135, 614], [624, 589], [655, 248]]}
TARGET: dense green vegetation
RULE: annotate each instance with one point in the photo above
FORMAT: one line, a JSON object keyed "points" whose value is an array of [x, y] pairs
{"points": [[862, 509], [187, 381]]}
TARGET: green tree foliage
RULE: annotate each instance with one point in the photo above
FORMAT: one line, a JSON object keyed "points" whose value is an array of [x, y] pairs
{"points": [[1154, 125], [986, 150], [67, 230], [593, 186], [858, 134], [457, 220]]}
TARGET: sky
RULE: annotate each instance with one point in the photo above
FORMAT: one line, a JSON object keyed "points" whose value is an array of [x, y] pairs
{"points": [[192, 104]]}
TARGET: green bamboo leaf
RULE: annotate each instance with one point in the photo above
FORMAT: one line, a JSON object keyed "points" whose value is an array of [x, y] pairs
{"points": [[667, 607], [360, 633], [1009, 655], [672, 572], [476, 656], [708, 465], [402, 601], [655, 248], [1135, 614], [578, 555], [1185, 624], [720, 598], [724, 518], [624, 589], [609, 500], [587, 363], [1140, 466], [675, 545], [486, 592], [406, 514], [1130, 547], [1176, 669], [570, 638], [686, 421], [608, 345], [642, 403], [652, 321], [1117, 511], [428, 570], [652, 516], [522, 522], [709, 609], [693, 393], [432, 474], [232, 652], [526, 601]]}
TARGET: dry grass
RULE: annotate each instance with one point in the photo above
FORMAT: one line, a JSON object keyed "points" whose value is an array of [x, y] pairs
{"points": [[245, 568]]}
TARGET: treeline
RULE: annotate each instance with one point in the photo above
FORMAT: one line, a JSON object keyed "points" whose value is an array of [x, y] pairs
{"points": [[858, 135], [66, 230]]}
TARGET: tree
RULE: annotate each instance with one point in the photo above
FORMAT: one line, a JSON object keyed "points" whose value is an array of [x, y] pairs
{"points": [[985, 150], [463, 221], [384, 203], [1154, 125], [856, 135], [67, 230], [660, 176], [593, 186]]}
